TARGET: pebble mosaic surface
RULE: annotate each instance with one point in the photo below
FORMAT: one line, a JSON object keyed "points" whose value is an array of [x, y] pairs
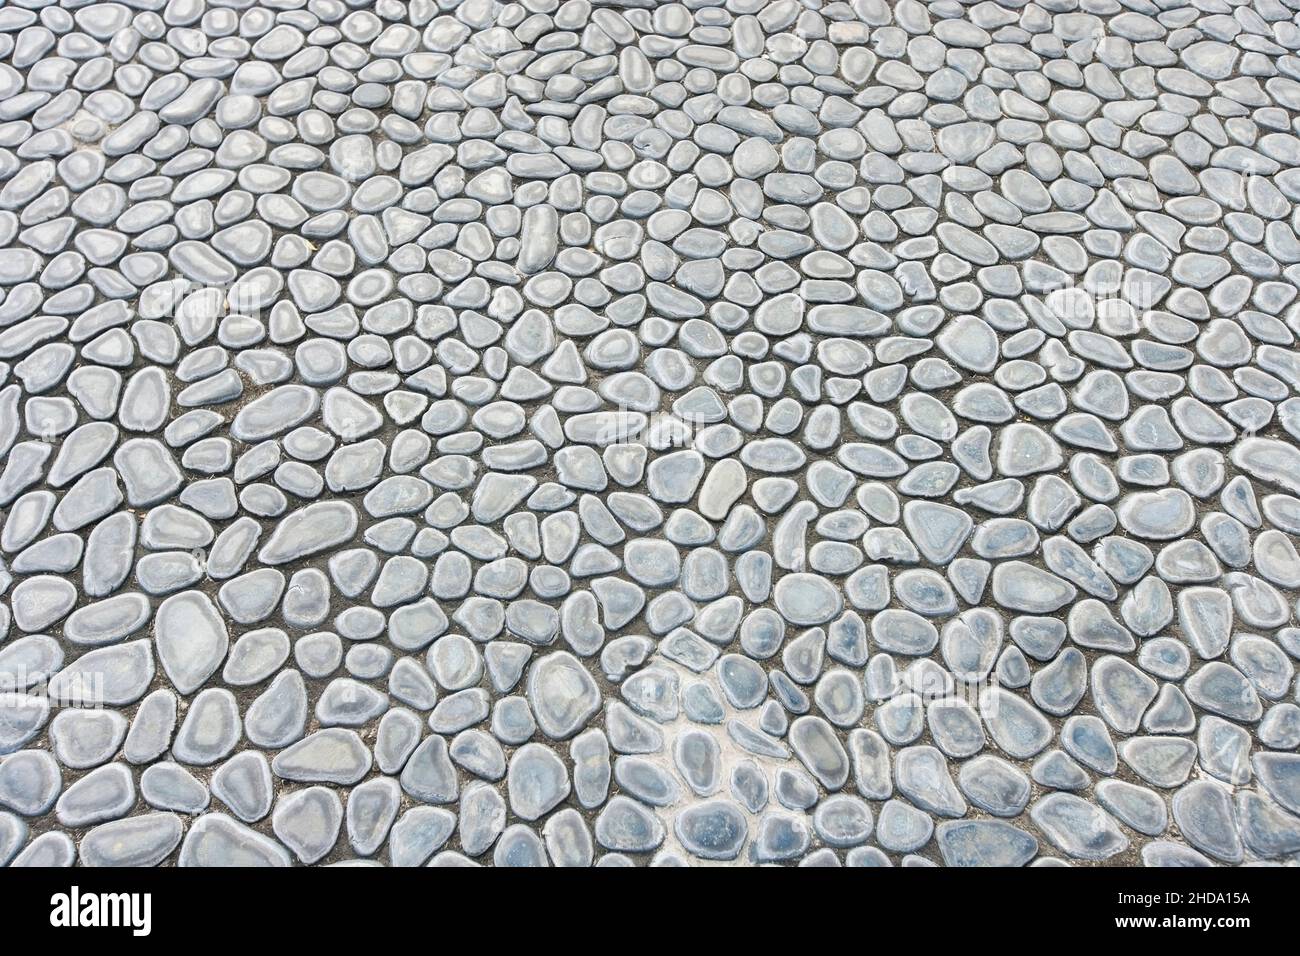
{"points": [[615, 432]]}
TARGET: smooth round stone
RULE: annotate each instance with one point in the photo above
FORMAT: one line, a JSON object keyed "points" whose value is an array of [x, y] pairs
{"points": [[646, 781], [843, 821], [1280, 775], [144, 840], [372, 807], [1162, 760], [334, 755], [984, 843], [698, 759], [1016, 726], [901, 828], [1205, 816], [151, 730], [627, 826], [994, 785], [536, 781], [106, 793], [1222, 689], [1023, 587], [29, 661], [191, 639], [39, 602], [210, 730], [568, 840], [169, 786], [216, 840], [519, 846], [1265, 829], [1157, 516], [255, 656], [82, 739], [279, 714], [924, 779], [308, 821], [30, 782], [349, 702], [562, 695], [49, 849], [1077, 828], [108, 621], [818, 748], [806, 599], [780, 836], [711, 830], [1135, 806]]}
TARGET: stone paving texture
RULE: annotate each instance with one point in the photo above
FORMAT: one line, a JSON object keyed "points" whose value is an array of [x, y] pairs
{"points": [[617, 432]]}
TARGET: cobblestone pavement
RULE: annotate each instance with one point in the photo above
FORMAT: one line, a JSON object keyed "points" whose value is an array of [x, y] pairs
{"points": [[617, 432]]}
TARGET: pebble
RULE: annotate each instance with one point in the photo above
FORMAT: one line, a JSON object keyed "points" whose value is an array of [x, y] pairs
{"points": [[1078, 829], [901, 828], [1206, 818], [334, 755], [215, 840], [143, 840], [563, 696], [536, 781], [712, 829], [627, 826], [984, 843], [169, 786], [30, 782], [307, 822]]}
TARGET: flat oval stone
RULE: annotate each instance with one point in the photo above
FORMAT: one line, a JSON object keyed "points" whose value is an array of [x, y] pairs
{"points": [[315, 528], [334, 755], [806, 599], [562, 695], [191, 639], [1077, 828], [984, 843], [30, 782], [108, 621], [214, 839], [627, 826], [712, 830], [144, 840]]}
